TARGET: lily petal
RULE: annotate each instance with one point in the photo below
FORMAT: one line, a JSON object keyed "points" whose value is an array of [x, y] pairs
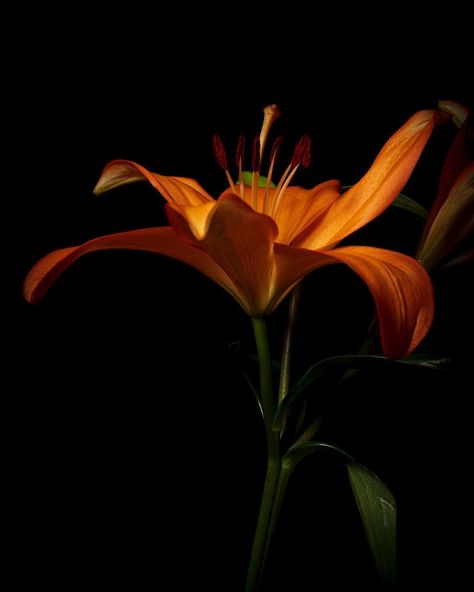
{"points": [[454, 221], [300, 209], [378, 187], [399, 285], [246, 193], [456, 160], [162, 240], [458, 112], [197, 217], [240, 241], [176, 190]]}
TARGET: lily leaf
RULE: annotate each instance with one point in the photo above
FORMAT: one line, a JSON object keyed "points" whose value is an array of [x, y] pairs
{"points": [[427, 361], [410, 205], [323, 368], [378, 511], [247, 177], [405, 203], [298, 452], [310, 431]]}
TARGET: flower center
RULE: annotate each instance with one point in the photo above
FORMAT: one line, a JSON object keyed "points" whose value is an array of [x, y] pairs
{"points": [[272, 196]]}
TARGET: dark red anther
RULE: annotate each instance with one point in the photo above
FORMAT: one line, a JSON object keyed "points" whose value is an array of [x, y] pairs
{"points": [[219, 152], [256, 154], [306, 160], [302, 153], [239, 153], [276, 148]]}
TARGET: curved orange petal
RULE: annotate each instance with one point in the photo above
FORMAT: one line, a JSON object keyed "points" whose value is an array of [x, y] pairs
{"points": [[163, 241], [378, 187], [300, 209], [240, 241], [399, 285], [246, 193], [197, 217], [176, 190]]}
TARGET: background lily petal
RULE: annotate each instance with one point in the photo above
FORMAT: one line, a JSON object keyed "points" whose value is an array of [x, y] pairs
{"points": [[456, 160], [458, 112], [162, 240], [378, 187], [454, 221], [177, 190], [399, 285]]}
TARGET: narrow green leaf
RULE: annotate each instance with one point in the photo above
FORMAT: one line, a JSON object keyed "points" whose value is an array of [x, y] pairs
{"points": [[323, 368], [405, 203], [298, 452], [310, 431], [301, 417], [247, 177], [378, 511], [410, 205], [427, 361]]}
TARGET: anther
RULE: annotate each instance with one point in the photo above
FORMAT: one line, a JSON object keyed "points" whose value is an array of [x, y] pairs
{"points": [[306, 160], [219, 152], [221, 158], [301, 151], [239, 153], [276, 149]]}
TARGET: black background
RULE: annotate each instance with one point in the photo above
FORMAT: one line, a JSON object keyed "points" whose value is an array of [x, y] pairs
{"points": [[136, 450]]}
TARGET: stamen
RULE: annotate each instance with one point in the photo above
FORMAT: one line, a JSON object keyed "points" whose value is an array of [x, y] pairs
{"points": [[256, 154], [270, 114], [219, 152], [301, 156], [276, 149], [221, 158], [239, 153], [277, 194], [306, 162], [255, 169], [301, 151], [273, 157], [239, 157], [283, 189]]}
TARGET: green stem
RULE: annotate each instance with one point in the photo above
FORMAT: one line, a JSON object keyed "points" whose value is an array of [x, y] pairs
{"points": [[261, 540], [265, 365], [288, 344], [277, 503]]}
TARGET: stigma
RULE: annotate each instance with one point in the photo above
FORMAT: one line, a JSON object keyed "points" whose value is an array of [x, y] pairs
{"points": [[272, 195]]}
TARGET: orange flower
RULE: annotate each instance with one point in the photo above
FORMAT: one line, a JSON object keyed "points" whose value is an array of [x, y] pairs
{"points": [[258, 243], [451, 217]]}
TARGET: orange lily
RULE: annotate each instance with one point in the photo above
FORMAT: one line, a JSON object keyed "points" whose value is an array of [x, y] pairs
{"points": [[451, 217], [258, 243]]}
